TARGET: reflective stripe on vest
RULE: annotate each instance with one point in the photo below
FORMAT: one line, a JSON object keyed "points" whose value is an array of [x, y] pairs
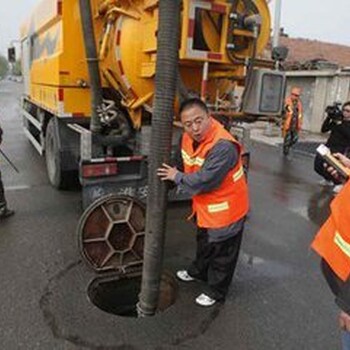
{"points": [[238, 174], [343, 245], [215, 208], [191, 161]]}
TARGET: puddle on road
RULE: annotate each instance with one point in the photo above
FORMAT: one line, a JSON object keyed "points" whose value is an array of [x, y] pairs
{"points": [[302, 211], [312, 206], [253, 260], [16, 188], [257, 266]]}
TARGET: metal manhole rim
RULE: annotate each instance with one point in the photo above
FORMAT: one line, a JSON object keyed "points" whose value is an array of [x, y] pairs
{"points": [[85, 216]]}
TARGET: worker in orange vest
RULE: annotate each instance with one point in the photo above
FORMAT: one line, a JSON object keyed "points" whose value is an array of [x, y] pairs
{"points": [[292, 119], [332, 243], [212, 172]]}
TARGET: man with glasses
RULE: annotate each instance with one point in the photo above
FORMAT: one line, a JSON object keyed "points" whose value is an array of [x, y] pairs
{"points": [[338, 141], [292, 119], [211, 171]]}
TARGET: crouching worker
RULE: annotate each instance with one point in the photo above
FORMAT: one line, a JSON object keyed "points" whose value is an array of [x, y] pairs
{"points": [[213, 174], [5, 212]]}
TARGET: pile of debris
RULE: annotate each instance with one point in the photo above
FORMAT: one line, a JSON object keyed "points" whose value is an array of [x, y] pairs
{"points": [[314, 64]]}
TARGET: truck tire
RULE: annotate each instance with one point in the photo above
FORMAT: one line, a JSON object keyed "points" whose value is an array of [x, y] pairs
{"points": [[57, 177]]}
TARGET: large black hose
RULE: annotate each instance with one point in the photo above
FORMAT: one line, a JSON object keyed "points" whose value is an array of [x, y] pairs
{"points": [[92, 61], [160, 148], [124, 130]]}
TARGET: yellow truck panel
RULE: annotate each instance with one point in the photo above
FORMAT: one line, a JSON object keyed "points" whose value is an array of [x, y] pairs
{"points": [[220, 47], [128, 51]]}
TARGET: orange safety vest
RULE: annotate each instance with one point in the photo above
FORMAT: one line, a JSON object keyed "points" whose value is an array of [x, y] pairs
{"points": [[289, 114], [332, 242], [229, 202]]}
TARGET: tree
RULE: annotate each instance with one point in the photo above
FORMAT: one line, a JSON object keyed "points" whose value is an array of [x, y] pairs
{"points": [[4, 66]]}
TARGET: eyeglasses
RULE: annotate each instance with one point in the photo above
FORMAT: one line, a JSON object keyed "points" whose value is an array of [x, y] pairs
{"points": [[296, 95], [346, 110]]}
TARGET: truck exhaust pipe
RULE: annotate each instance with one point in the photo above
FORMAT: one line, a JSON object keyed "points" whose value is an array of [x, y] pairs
{"points": [[93, 66]]}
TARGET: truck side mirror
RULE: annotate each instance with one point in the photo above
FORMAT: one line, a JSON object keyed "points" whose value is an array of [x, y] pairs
{"points": [[11, 54], [279, 53]]}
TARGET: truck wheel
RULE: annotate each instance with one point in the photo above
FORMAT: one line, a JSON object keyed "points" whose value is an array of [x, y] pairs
{"points": [[57, 177]]}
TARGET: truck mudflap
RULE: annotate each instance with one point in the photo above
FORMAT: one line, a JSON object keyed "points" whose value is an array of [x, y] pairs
{"points": [[123, 176]]}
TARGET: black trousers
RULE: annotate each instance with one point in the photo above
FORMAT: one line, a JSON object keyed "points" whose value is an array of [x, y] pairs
{"points": [[215, 262], [2, 195], [291, 137]]}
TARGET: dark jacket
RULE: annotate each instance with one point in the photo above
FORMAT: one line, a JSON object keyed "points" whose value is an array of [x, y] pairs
{"points": [[339, 138], [340, 289]]}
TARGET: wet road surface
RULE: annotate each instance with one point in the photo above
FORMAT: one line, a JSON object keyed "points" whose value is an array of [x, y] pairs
{"points": [[278, 298]]}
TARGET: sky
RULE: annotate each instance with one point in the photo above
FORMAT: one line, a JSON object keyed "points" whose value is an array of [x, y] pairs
{"points": [[312, 19], [315, 19]]}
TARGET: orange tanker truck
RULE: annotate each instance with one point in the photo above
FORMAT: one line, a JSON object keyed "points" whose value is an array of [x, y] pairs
{"points": [[89, 81]]}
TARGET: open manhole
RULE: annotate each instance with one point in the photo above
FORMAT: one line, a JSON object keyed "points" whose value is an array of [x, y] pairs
{"points": [[119, 296], [111, 234]]}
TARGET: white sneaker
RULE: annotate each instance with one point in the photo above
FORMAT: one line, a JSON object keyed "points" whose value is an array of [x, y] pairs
{"points": [[326, 183], [337, 189], [205, 300], [184, 276]]}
